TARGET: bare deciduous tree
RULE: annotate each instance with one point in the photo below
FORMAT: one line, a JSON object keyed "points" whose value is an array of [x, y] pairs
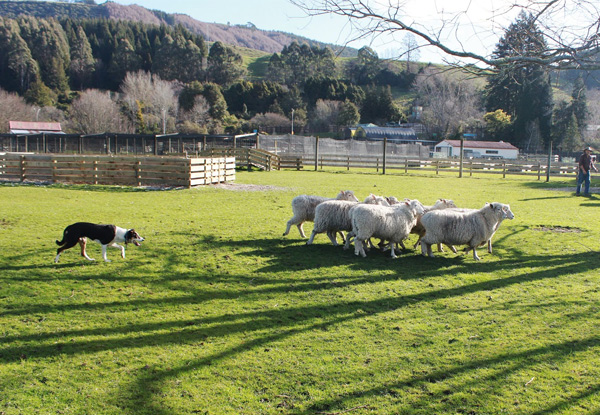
{"points": [[570, 27], [449, 100], [96, 112], [14, 108]]}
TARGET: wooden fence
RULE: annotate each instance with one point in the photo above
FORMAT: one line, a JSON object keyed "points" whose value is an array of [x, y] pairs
{"points": [[125, 171], [469, 167]]}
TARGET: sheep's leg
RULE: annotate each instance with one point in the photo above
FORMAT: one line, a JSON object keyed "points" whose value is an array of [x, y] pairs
{"points": [[342, 236], [452, 248], [349, 238], [426, 249], [393, 249], [475, 255], [332, 237], [358, 248], [312, 237], [417, 243], [288, 227], [301, 229], [489, 244]]}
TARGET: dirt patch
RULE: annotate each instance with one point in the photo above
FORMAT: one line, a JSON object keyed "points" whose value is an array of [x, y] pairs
{"points": [[247, 187], [557, 229]]}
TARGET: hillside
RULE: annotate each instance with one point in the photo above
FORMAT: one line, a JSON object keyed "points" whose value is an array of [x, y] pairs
{"points": [[243, 36]]}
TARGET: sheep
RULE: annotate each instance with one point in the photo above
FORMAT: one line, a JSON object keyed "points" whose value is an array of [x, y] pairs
{"points": [[333, 216], [420, 230], [489, 241], [463, 226], [390, 223], [304, 206]]}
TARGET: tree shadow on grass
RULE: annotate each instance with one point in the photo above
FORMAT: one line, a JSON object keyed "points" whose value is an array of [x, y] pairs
{"points": [[274, 325]]}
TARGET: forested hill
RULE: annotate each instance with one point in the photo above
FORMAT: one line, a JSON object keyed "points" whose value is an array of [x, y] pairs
{"points": [[238, 35]]}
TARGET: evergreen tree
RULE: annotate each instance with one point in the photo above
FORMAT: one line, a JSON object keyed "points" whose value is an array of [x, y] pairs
{"points": [[82, 61], [523, 91], [224, 65], [178, 59], [124, 60], [579, 102]]}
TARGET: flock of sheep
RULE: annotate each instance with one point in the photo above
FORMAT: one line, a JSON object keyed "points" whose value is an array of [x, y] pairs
{"points": [[391, 221]]}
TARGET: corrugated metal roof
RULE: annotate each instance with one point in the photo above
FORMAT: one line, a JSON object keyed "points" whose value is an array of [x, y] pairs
{"points": [[496, 145], [29, 127]]}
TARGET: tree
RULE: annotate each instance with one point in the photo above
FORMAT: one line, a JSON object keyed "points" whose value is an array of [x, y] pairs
{"points": [[497, 124], [149, 100], [378, 106], [178, 58], [224, 65], [325, 115], [450, 100], [569, 29], [348, 114], [14, 108], [95, 112], [410, 50], [523, 92], [82, 61], [366, 66]]}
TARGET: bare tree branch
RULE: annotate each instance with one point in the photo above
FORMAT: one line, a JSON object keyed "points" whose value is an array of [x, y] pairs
{"points": [[570, 27]]}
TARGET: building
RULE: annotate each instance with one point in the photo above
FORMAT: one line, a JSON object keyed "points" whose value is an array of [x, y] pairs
{"points": [[476, 149], [27, 127]]}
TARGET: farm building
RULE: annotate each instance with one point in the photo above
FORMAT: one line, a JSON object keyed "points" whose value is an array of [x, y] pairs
{"points": [[477, 149], [27, 127]]}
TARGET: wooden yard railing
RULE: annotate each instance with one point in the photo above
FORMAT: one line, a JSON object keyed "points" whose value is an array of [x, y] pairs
{"points": [[247, 157], [125, 171], [470, 167]]}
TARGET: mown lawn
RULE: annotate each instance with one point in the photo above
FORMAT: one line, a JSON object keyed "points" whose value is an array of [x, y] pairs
{"points": [[217, 313]]}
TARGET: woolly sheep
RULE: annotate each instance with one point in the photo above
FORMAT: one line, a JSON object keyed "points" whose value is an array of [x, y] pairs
{"points": [[390, 223], [333, 216], [420, 230], [462, 226], [304, 206]]}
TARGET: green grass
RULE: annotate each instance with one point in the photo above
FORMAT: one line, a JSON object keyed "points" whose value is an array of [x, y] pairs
{"points": [[217, 313]]}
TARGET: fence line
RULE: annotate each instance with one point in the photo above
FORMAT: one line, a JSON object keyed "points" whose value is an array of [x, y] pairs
{"points": [[470, 167], [124, 171]]}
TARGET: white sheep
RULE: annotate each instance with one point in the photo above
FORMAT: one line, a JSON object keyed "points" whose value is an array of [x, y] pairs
{"points": [[304, 206], [333, 216], [420, 230], [389, 223], [463, 226]]}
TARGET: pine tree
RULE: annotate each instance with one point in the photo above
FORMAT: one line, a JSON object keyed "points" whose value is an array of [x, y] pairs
{"points": [[523, 92]]}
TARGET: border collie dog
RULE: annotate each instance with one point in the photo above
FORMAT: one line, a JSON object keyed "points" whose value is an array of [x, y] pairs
{"points": [[106, 235]]}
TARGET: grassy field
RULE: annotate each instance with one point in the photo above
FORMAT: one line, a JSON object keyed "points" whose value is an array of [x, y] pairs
{"points": [[217, 313]]}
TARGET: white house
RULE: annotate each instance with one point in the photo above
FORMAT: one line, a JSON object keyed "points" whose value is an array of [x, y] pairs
{"points": [[477, 149]]}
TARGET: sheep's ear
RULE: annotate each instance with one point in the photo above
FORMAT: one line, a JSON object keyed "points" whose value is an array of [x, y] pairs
{"points": [[406, 203]]}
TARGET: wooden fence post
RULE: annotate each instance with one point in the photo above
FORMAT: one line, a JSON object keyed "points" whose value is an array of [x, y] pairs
{"points": [[539, 170], [22, 167], [384, 155], [405, 165], [504, 170], [549, 162], [317, 153]]}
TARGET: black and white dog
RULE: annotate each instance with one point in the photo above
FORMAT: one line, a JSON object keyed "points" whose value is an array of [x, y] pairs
{"points": [[106, 235]]}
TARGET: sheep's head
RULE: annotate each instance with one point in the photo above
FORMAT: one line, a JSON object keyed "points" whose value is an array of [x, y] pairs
{"points": [[347, 195], [502, 209], [444, 204]]}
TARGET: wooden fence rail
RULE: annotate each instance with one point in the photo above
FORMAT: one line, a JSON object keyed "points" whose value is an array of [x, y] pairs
{"points": [[470, 167], [125, 171]]}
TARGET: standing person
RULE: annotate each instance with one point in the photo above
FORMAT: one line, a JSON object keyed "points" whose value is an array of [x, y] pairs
{"points": [[583, 175]]}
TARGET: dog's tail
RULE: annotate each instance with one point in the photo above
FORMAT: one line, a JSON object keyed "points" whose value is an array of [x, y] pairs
{"points": [[62, 241]]}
